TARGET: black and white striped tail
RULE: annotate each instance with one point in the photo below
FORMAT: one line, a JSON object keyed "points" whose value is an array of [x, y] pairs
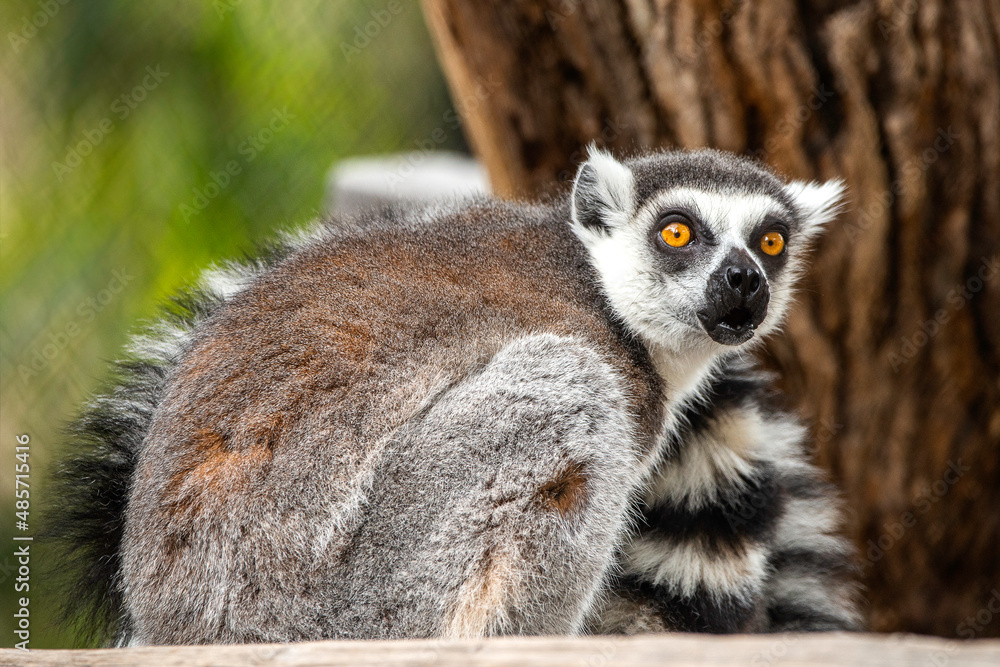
{"points": [[738, 531]]}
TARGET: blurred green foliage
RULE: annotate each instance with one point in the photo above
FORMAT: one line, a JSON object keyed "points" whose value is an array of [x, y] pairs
{"points": [[117, 118]]}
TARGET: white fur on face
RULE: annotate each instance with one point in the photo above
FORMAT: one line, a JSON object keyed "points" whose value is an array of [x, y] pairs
{"points": [[661, 308]]}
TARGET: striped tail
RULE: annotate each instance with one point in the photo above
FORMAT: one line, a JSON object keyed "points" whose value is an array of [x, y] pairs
{"points": [[738, 532]]}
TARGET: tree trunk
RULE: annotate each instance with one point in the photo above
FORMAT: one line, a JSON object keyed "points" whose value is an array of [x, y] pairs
{"points": [[894, 349]]}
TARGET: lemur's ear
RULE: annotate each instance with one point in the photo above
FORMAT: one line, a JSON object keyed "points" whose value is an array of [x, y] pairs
{"points": [[818, 203], [603, 193]]}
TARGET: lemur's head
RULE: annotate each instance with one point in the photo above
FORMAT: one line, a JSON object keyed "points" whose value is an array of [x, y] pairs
{"points": [[697, 248]]}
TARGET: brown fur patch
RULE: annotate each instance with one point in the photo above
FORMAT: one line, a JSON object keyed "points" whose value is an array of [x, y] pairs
{"points": [[215, 466], [220, 461], [567, 492]]}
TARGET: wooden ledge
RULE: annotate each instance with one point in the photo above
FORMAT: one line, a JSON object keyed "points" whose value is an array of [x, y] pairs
{"points": [[672, 649]]}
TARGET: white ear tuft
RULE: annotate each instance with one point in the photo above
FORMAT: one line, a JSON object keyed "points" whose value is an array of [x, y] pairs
{"points": [[603, 192], [817, 203]]}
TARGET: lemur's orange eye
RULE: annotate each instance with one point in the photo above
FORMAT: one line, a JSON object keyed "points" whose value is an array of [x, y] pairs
{"points": [[772, 243], [676, 234]]}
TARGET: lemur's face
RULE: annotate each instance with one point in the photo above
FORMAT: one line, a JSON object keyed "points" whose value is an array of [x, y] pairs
{"points": [[698, 248]]}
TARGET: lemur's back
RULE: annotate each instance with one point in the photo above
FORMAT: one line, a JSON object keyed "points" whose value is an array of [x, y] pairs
{"points": [[375, 316], [345, 339], [261, 456]]}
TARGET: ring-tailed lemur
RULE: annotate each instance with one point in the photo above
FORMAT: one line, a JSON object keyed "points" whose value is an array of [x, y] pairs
{"points": [[499, 418]]}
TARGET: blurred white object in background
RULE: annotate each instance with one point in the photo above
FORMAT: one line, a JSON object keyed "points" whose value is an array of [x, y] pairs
{"points": [[416, 179]]}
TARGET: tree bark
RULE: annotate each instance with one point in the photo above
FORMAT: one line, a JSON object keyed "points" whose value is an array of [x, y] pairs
{"points": [[893, 352]]}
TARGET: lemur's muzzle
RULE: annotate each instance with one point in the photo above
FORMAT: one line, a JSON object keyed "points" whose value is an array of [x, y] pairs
{"points": [[737, 297]]}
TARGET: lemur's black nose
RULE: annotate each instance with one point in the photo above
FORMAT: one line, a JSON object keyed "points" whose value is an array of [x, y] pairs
{"points": [[736, 299], [743, 278]]}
